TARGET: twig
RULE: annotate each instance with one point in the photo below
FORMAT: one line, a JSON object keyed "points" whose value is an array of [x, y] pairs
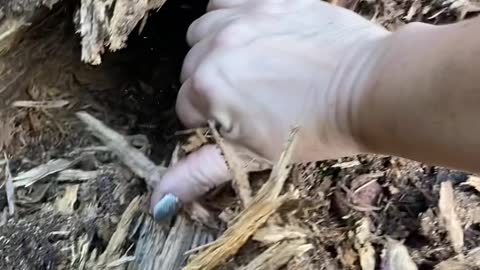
{"points": [[134, 159], [46, 104]]}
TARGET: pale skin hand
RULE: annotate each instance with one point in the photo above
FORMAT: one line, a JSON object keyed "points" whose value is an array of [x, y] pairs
{"points": [[260, 67]]}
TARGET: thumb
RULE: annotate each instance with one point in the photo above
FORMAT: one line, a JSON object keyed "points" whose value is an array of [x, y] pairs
{"points": [[188, 180]]}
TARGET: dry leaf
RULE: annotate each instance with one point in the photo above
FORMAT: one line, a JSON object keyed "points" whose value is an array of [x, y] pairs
{"points": [[396, 257], [449, 216], [65, 204]]}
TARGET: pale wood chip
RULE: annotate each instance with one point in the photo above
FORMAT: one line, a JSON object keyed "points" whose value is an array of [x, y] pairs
{"points": [[240, 181], [122, 260], [347, 164], [473, 181], [460, 262], [76, 175], [272, 234], [9, 188], [278, 255], [46, 104], [449, 216], [395, 257], [414, 8], [363, 246], [114, 247], [66, 203], [30, 177]]}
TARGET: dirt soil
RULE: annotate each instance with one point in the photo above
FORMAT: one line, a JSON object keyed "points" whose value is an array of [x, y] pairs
{"points": [[349, 211]]}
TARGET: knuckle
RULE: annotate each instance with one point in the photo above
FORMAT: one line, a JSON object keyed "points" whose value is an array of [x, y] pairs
{"points": [[201, 82], [232, 34]]}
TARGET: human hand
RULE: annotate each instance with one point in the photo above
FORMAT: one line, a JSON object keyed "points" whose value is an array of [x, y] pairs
{"points": [[261, 67]]}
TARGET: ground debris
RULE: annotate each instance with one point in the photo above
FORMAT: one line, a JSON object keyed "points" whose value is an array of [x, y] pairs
{"points": [[395, 257], [263, 205], [278, 255], [449, 216], [363, 246], [66, 203], [28, 178], [240, 175]]}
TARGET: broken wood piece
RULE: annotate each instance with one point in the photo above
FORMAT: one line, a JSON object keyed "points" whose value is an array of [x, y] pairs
{"points": [[240, 180], [113, 250], [249, 220], [449, 216], [272, 234], [363, 245], [460, 262], [122, 260], [30, 177], [47, 104], [265, 204], [161, 246], [102, 24], [66, 203], [9, 188], [473, 181], [278, 255], [395, 257], [134, 159], [71, 175]]}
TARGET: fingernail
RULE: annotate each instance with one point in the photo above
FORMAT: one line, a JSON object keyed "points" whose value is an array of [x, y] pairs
{"points": [[167, 207]]}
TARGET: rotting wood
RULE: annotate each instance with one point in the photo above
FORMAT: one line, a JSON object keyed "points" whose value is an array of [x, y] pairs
{"points": [[162, 247], [265, 204], [113, 250], [108, 23], [156, 242]]}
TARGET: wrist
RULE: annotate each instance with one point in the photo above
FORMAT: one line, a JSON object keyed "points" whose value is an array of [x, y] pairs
{"points": [[379, 102], [354, 79]]}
